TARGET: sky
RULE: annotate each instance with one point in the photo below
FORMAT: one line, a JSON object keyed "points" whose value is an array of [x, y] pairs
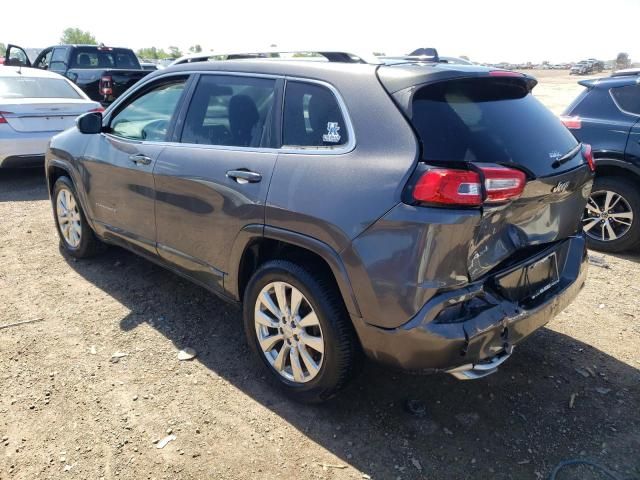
{"points": [[484, 30]]}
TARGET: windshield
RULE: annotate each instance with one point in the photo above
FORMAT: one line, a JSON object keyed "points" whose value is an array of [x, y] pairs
{"points": [[488, 120], [33, 87], [109, 58]]}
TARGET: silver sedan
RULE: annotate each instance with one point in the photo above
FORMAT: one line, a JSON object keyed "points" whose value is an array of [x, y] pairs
{"points": [[34, 106]]}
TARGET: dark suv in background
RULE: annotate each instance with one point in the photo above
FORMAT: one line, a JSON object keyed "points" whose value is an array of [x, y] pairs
{"points": [[427, 214], [607, 116], [103, 73]]}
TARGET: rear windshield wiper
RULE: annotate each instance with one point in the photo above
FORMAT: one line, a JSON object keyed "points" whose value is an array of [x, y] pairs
{"points": [[567, 156]]}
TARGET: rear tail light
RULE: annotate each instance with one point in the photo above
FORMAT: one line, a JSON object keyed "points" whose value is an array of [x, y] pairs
{"points": [[106, 85], [587, 153], [453, 187], [2, 118], [96, 110], [449, 187], [502, 184], [572, 123]]}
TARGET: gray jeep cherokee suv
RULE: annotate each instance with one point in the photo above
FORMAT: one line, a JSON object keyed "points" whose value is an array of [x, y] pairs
{"points": [[426, 214]]}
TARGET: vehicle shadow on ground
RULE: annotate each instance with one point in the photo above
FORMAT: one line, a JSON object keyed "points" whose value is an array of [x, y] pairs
{"points": [[631, 255], [515, 424], [22, 185]]}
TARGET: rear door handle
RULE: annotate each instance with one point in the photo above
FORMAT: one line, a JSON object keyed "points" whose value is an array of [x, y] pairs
{"points": [[140, 159], [244, 176]]}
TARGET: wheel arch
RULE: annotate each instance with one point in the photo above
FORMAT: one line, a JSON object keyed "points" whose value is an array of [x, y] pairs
{"points": [[256, 244], [54, 171], [609, 167], [56, 168]]}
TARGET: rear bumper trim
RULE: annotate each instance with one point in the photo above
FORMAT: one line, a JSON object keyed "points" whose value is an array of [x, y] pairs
{"points": [[474, 371], [476, 346]]}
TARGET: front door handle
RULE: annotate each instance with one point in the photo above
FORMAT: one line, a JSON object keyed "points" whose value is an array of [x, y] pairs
{"points": [[244, 176], [140, 159]]}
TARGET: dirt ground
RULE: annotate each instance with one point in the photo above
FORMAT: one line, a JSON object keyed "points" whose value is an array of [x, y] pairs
{"points": [[70, 409]]}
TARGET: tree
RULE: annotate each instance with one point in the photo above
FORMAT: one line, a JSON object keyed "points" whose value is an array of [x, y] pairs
{"points": [[3, 50], [175, 52], [195, 49], [152, 53], [622, 60], [77, 36]]}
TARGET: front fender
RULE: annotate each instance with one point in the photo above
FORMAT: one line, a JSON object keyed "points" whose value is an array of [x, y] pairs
{"points": [[58, 158]]}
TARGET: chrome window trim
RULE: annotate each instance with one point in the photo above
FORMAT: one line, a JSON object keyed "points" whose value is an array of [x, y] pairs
{"points": [[285, 149], [317, 150], [615, 102]]}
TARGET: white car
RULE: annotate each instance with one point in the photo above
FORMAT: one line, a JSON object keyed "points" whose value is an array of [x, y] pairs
{"points": [[34, 106]]}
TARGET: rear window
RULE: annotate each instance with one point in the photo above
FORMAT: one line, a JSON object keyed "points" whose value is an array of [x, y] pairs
{"points": [[596, 103], [312, 117], [113, 58], [627, 98], [30, 87], [488, 120]]}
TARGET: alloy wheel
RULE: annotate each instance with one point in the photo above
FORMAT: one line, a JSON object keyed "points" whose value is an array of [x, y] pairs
{"points": [[69, 217], [289, 332], [608, 216]]}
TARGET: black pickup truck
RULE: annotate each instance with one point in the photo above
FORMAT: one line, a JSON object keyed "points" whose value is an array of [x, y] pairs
{"points": [[103, 73]]}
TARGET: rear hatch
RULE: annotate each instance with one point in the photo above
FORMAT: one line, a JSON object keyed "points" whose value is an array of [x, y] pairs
{"points": [[490, 119], [43, 115]]}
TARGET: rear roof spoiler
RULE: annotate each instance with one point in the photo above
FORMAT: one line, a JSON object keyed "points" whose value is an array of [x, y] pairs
{"points": [[589, 83]]}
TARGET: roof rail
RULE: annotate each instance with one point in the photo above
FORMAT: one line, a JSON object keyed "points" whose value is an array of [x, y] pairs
{"points": [[273, 53], [626, 72]]}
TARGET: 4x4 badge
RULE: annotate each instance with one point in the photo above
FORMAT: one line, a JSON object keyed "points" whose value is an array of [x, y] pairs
{"points": [[560, 187], [332, 135]]}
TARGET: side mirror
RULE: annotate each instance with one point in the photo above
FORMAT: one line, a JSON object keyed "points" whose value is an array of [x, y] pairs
{"points": [[89, 123]]}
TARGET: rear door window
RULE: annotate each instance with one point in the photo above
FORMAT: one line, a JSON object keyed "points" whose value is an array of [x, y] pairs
{"points": [[488, 120], [627, 98], [312, 117], [231, 111]]}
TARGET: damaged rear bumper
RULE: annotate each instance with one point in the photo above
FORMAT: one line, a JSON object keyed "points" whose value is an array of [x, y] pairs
{"points": [[480, 335]]}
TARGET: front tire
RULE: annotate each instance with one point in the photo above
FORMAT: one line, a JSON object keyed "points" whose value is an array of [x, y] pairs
{"points": [[296, 323], [612, 217], [76, 236]]}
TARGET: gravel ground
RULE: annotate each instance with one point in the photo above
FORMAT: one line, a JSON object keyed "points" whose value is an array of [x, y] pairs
{"points": [[70, 408]]}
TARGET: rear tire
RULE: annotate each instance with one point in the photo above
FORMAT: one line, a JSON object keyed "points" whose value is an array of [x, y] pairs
{"points": [[76, 236], [616, 217], [310, 363]]}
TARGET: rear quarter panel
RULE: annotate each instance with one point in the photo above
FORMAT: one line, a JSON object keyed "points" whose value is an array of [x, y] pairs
{"points": [[334, 198], [604, 126]]}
